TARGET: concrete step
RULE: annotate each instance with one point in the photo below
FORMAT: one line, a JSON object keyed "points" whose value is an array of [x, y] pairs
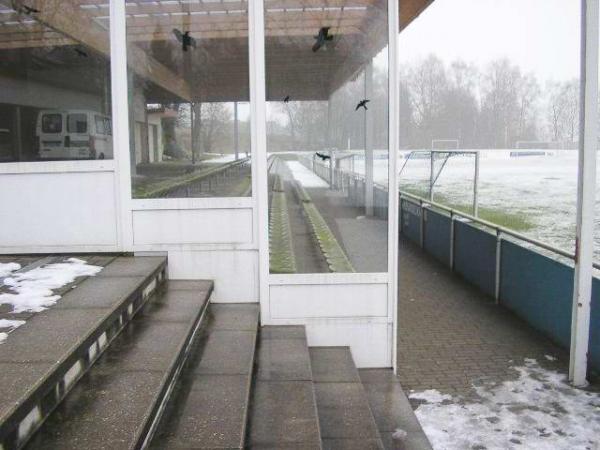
{"points": [[345, 416], [43, 359], [118, 403], [392, 411], [208, 409], [283, 411]]}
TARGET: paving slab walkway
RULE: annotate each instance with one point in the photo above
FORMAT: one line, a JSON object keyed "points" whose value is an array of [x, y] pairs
{"points": [[451, 335]]}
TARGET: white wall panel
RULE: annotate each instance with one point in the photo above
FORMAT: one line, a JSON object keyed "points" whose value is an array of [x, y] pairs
{"points": [[369, 340], [328, 300], [234, 272], [193, 226], [67, 210]]}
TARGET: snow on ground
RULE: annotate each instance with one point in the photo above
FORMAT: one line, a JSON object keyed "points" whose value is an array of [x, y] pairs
{"points": [[7, 268], [221, 159], [32, 291], [9, 325], [543, 188], [304, 176], [539, 410]]}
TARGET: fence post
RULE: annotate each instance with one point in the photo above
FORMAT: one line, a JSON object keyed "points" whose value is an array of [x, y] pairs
{"points": [[400, 213], [422, 233], [451, 240], [498, 265]]}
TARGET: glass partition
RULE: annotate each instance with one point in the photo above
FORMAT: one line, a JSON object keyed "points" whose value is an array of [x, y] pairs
{"points": [[498, 81], [55, 97], [327, 135], [188, 96]]}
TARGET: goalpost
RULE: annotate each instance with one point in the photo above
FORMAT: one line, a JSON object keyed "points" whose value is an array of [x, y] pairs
{"points": [[445, 155]]}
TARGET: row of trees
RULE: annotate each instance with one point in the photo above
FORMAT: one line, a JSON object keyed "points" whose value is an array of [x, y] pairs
{"points": [[482, 107], [490, 107]]}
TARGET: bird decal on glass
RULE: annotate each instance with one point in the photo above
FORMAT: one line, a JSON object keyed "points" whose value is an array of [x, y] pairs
{"points": [[322, 156], [362, 104], [286, 99], [322, 38], [23, 9], [185, 39]]}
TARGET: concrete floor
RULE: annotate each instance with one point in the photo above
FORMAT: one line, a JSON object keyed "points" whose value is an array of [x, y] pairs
{"points": [[451, 335]]}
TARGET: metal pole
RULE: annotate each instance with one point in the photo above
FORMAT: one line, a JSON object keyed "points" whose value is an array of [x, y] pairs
{"points": [[498, 265], [369, 141], [451, 240], [476, 187], [193, 127], [236, 133], [400, 214], [431, 175], [422, 226], [586, 181]]}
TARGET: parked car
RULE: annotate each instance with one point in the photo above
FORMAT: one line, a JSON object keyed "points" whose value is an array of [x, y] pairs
{"points": [[74, 134]]}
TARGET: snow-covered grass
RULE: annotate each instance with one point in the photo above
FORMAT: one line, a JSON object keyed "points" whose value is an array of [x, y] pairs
{"points": [[7, 268], [31, 291], [538, 410], [304, 176]]}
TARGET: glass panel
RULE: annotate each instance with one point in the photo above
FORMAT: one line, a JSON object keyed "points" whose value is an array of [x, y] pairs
{"points": [[188, 96], [510, 96], [54, 64], [327, 135]]}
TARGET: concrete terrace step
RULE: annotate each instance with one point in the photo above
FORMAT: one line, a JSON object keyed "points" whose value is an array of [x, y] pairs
{"points": [[44, 358], [117, 404], [283, 413], [392, 411], [345, 416], [208, 409]]}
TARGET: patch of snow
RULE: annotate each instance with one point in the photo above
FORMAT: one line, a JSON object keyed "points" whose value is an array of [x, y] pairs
{"points": [[11, 325], [539, 410], [221, 159], [399, 434], [431, 396], [7, 268], [304, 176], [550, 357], [32, 290]]}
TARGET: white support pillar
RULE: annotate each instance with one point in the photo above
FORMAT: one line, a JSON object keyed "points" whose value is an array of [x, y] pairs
{"points": [[329, 146], [236, 131], [586, 184], [368, 94], [393, 199], [122, 119], [258, 138]]}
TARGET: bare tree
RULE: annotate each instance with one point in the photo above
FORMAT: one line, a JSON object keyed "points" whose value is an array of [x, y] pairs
{"points": [[215, 119], [428, 84], [499, 107], [563, 110]]}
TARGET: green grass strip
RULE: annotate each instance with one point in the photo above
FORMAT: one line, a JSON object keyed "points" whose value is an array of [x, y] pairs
{"points": [[281, 250], [158, 189], [332, 250], [514, 220]]}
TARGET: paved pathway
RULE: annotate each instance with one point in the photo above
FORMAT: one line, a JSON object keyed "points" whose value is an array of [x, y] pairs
{"points": [[452, 335]]}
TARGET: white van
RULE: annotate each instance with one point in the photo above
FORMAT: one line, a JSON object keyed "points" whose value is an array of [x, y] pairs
{"points": [[74, 134]]}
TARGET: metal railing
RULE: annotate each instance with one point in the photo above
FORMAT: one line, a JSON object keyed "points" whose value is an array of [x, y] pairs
{"points": [[498, 230]]}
